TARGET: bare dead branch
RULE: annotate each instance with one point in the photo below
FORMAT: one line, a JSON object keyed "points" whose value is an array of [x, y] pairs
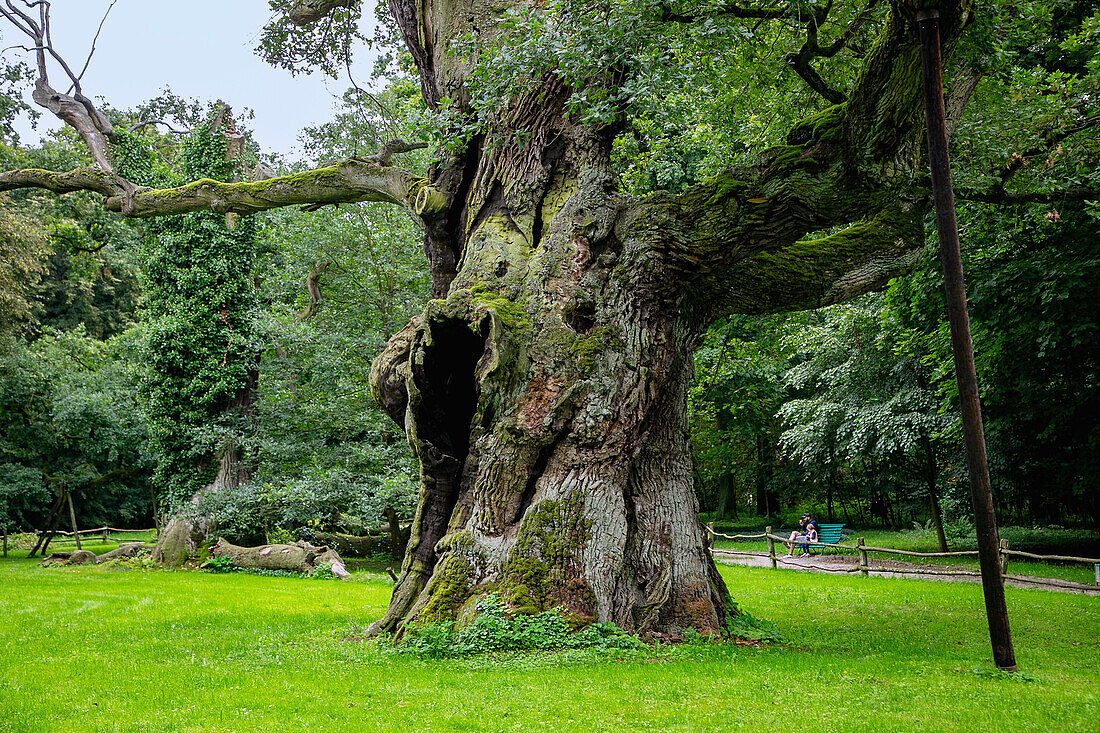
{"points": [[145, 123], [75, 110], [91, 51]]}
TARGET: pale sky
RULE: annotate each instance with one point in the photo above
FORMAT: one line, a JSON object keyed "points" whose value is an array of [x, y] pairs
{"points": [[198, 48]]}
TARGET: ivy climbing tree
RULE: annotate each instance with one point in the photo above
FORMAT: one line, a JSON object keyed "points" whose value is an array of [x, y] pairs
{"points": [[201, 346]]}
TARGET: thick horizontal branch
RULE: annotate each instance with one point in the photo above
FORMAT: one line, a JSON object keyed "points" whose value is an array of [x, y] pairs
{"points": [[1050, 140], [743, 238], [347, 182], [814, 273], [84, 179]]}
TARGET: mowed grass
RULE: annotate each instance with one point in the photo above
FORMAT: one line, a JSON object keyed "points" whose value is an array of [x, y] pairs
{"points": [[91, 649]]}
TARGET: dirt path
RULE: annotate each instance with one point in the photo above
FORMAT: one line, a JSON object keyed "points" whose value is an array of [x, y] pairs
{"points": [[891, 569]]}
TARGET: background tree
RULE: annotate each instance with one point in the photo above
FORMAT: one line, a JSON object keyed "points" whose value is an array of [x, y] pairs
{"points": [[73, 431], [864, 407], [336, 283], [735, 429]]}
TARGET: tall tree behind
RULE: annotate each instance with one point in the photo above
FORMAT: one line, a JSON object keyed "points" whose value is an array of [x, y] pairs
{"points": [[336, 283], [202, 348]]}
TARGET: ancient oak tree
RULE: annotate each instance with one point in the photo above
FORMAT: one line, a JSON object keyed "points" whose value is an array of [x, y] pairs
{"points": [[543, 388]]}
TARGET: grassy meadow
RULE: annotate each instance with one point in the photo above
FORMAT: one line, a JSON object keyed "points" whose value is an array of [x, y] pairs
{"points": [[102, 649]]}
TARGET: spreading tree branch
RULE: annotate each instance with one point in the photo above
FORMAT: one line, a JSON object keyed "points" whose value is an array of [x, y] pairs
{"points": [[728, 10], [998, 195], [811, 49], [844, 171], [347, 182], [145, 123], [1051, 139]]}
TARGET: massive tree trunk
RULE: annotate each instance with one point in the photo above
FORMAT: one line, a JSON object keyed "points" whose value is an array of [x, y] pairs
{"points": [[543, 390]]}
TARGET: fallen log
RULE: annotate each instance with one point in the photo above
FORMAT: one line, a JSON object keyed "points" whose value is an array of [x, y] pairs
{"points": [[349, 545], [299, 557], [130, 549], [84, 557], [75, 557]]}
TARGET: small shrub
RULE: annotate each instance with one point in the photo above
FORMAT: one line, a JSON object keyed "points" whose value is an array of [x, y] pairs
{"points": [[22, 541], [495, 630], [323, 572], [959, 533], [270, 573], [219, 565], [280, 536], [743, 625]]}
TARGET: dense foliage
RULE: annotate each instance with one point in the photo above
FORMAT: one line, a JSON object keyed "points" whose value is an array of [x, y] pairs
{"points": [[181, 338], [201, 346]]}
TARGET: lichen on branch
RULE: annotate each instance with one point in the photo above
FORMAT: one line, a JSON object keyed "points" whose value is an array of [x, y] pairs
{"points": [[347, 182]]}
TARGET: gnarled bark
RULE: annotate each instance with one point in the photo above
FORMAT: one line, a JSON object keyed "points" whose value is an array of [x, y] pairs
{"points": [[545, 395]]}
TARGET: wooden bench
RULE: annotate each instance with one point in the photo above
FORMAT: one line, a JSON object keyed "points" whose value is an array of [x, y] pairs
{"points": [[827, 535]]}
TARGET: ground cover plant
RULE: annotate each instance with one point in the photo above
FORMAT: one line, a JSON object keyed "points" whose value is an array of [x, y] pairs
{"points": [[100, 649]]}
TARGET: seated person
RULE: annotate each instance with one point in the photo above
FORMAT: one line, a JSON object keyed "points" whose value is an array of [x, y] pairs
{"points": [[805, 534], [810, 536]]}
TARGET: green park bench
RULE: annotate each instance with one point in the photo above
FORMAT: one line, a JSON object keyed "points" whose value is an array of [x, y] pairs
{"points": [[827, 535]]}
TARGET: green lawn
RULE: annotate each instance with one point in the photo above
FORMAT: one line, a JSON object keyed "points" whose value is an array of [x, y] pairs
{"points": [[94, 649]]}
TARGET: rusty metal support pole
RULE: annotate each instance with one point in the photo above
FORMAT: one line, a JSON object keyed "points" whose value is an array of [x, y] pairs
{"points": [[985, 521]]}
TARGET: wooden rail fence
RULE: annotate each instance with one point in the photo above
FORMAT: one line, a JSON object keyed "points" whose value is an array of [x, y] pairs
{"points": [[864, 567], [104, 532]]}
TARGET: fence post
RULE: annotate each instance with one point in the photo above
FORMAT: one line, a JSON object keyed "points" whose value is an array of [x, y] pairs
{"points": [[862, 557], [771, 546], [1096, 569], [1004, 559], [105, 535], [72, 518]]}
